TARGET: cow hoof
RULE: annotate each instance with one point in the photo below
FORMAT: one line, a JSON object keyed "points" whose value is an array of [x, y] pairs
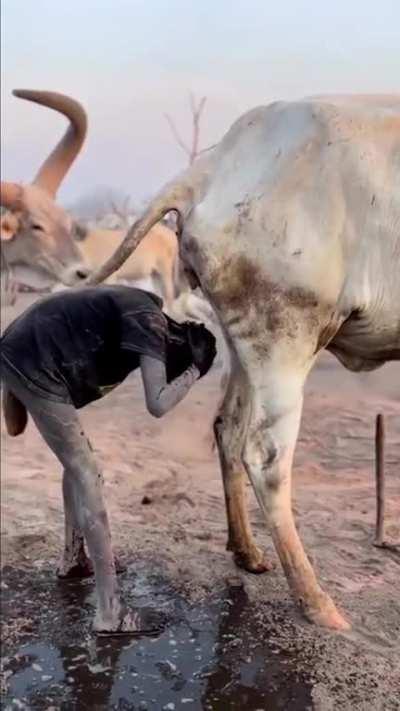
{"points": [[325, 614], [254, 561]]}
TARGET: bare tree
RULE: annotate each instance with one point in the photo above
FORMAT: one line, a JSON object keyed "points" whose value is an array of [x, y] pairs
{"points": [[192, 149], [102, 201], [121, 208]]}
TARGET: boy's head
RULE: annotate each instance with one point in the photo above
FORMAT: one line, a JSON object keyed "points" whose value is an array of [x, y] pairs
{"points": [[180, 353]]}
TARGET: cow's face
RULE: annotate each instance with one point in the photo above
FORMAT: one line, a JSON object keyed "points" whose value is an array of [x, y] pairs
{"points": [[38, 234]]}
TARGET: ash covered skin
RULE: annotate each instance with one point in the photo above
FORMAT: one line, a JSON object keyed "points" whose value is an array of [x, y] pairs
{"points": [[85, 511], [162, 396], [188, 351]]}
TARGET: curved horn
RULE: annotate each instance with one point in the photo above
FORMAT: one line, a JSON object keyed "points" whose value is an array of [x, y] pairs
{"points": [[174, 197], [10, 193], [61, 158]]}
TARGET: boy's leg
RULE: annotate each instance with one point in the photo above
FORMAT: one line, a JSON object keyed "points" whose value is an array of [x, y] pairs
{"points": [[74, 562], [60, 427]]}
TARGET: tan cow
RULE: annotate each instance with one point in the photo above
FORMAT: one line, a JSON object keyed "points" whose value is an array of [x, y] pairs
{"points": [[156, 258], [291, 226], [36, 233]]}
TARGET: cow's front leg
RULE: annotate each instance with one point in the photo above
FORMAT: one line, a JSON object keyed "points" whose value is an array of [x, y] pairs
{"points": [[230, 431]]}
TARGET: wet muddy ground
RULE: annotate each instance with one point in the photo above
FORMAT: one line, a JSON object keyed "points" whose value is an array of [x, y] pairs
{"points": [[230, 640], [213, 655], [221, 653]]}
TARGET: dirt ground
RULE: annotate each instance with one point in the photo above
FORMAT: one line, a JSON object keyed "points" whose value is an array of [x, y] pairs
{"points": [[181, 533]]}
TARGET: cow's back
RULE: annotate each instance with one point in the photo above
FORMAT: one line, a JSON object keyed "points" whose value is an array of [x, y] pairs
{"points": [[302, 188]]}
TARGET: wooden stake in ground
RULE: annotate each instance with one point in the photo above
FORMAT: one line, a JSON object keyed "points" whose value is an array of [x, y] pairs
{"points": [[380, 487], [380, 479]]}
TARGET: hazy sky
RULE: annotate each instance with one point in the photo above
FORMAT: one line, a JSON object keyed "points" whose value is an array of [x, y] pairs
{"points": [[130, 61]]}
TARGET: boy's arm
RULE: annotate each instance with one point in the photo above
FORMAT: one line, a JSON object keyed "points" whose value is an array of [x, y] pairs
{"points": [[160, 395]]}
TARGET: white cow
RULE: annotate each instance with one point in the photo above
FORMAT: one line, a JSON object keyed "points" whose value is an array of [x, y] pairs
{"points": [[291, 225]]}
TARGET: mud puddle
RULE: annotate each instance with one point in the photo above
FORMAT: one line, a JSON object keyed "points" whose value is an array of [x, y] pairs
{"points": [[214, 655]]}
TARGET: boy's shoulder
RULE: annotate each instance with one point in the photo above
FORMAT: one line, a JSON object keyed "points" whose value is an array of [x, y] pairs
{"points": [[121, 295], [132, 296]]}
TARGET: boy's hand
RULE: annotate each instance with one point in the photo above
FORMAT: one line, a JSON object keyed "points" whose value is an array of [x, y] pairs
{"points": [[202, 343]]}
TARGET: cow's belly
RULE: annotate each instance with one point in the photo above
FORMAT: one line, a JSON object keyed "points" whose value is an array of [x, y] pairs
{"points": [[366, 342]]}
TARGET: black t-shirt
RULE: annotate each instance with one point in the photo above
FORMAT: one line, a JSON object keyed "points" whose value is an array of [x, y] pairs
{"points": [[75, 345]]}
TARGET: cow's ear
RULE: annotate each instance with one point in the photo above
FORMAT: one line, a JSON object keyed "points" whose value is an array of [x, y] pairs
{"points": [[10, 195], [9, 224]]}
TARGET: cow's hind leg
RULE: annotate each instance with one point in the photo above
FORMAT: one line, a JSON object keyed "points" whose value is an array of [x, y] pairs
{"points": [[276, 404], [230, 431]]}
